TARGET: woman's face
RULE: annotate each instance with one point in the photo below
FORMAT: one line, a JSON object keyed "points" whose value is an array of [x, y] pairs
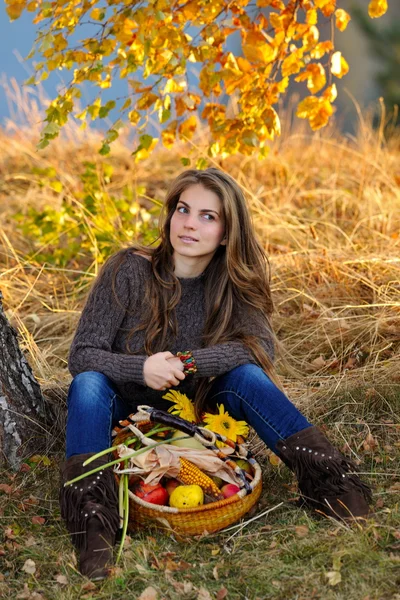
{"points": [[197, 226]]}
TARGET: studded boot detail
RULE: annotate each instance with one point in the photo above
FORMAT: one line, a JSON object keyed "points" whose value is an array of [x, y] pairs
{"points": [[90, 510], [327, 480]]}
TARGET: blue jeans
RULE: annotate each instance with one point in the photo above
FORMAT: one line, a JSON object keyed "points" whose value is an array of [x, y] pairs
{"points": [[246, 392]]}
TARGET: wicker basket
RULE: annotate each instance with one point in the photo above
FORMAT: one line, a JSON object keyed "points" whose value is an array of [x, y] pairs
{"points": [[207, 518]]}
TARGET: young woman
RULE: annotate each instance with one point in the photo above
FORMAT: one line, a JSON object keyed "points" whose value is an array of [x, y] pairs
{"points": [[192, 313]]}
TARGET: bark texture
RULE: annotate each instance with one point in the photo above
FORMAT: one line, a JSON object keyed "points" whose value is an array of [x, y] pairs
{"points": [[24, 414]]}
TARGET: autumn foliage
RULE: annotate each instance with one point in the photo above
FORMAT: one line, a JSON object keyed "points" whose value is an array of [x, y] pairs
{"points": [[153, 44]]}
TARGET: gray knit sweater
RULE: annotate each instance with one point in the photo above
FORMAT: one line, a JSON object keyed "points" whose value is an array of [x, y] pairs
{"points": [[100, 340]]}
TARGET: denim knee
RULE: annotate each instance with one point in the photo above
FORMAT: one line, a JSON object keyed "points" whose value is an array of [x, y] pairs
{"points": [[88, 387], [246, 373]]}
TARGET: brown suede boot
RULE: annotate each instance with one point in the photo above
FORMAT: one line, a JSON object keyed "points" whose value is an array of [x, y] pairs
{"points": [[90, 510], [327, 480]]}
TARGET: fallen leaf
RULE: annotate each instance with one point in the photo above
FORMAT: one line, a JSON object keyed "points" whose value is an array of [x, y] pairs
{"points": [[7, 489], [274, 459], [318, 363], [9, 533], [215, 573], [221, 594], [149, 593], [32, 500], [115, 571], [302, 531], [183, 588], [39, 458], [141, 568], [351, 363], [29, 566], [38, 520], [87, 587], [203, 594], [334, 577], [25, 594], [370, 443], [61, 579], [30, 542]]}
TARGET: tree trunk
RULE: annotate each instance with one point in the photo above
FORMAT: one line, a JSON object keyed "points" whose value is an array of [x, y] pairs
{"points": [[24, 413]]}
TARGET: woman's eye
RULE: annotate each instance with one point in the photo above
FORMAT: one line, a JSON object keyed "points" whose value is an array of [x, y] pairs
{"points": [[181, 208], [209, 217]]}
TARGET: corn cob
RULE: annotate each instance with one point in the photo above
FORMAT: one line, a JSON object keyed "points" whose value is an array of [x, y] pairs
{"points": [[191, 474]]}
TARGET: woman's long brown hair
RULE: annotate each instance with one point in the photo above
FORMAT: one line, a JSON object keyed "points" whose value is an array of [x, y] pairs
{"points": [[237, 280]]}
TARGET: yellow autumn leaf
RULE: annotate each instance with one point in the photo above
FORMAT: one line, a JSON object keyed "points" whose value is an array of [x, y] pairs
{"points": [[315, 76], [311, 16], [168, 135], [60, 43], [310, 37], [316, 110], [321, 3], [377, 8], [330, 93], [329, 8], [173, 86], [243, 64], [277, 21], [292, 64], [273, 3], [145, 152], [339, 66], [321, 49], [187, 128], [264, 53], [146, 101], [272, 124], [15, 9], [134, 117], [342, 19], [97, 14]]}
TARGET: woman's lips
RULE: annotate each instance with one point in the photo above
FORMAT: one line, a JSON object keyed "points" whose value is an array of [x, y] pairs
{"points": [[187, 239]]}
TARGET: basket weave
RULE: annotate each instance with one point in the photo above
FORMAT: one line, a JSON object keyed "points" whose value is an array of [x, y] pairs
{"points": [[207, 518]]}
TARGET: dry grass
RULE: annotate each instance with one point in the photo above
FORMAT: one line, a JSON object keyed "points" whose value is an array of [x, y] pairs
{"points": [[327, 209]]}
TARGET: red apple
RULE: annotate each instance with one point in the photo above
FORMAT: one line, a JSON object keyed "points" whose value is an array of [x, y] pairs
{"points": [[171, 485], [155, 494], [230, 489]]}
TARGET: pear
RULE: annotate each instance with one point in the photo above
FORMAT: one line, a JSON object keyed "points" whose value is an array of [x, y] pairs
{"points": [[189, 442]]}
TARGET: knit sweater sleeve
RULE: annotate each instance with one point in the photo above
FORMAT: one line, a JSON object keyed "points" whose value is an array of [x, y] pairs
{"points": [[221, 358], [91, 349]]}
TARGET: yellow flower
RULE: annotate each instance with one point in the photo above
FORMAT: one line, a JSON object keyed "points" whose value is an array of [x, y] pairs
{"points": [[183, 407], [226, 425]]}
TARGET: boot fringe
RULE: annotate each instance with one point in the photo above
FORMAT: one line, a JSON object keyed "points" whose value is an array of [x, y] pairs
{"points": [[92, 497], [321, 470], [326, 477]]}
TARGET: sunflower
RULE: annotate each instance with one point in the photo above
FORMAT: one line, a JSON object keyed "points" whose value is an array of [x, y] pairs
{"points": [[183, 407], [226, 425]]}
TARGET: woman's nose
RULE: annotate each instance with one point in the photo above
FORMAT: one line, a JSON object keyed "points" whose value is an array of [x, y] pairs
{"points": [[190, 222]]}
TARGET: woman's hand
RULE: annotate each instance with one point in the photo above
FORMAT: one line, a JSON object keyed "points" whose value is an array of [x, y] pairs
{"points": [[163, 370]]}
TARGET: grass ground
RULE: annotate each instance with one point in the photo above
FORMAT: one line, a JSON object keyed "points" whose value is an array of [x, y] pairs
{"points": [[327, 209]]}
